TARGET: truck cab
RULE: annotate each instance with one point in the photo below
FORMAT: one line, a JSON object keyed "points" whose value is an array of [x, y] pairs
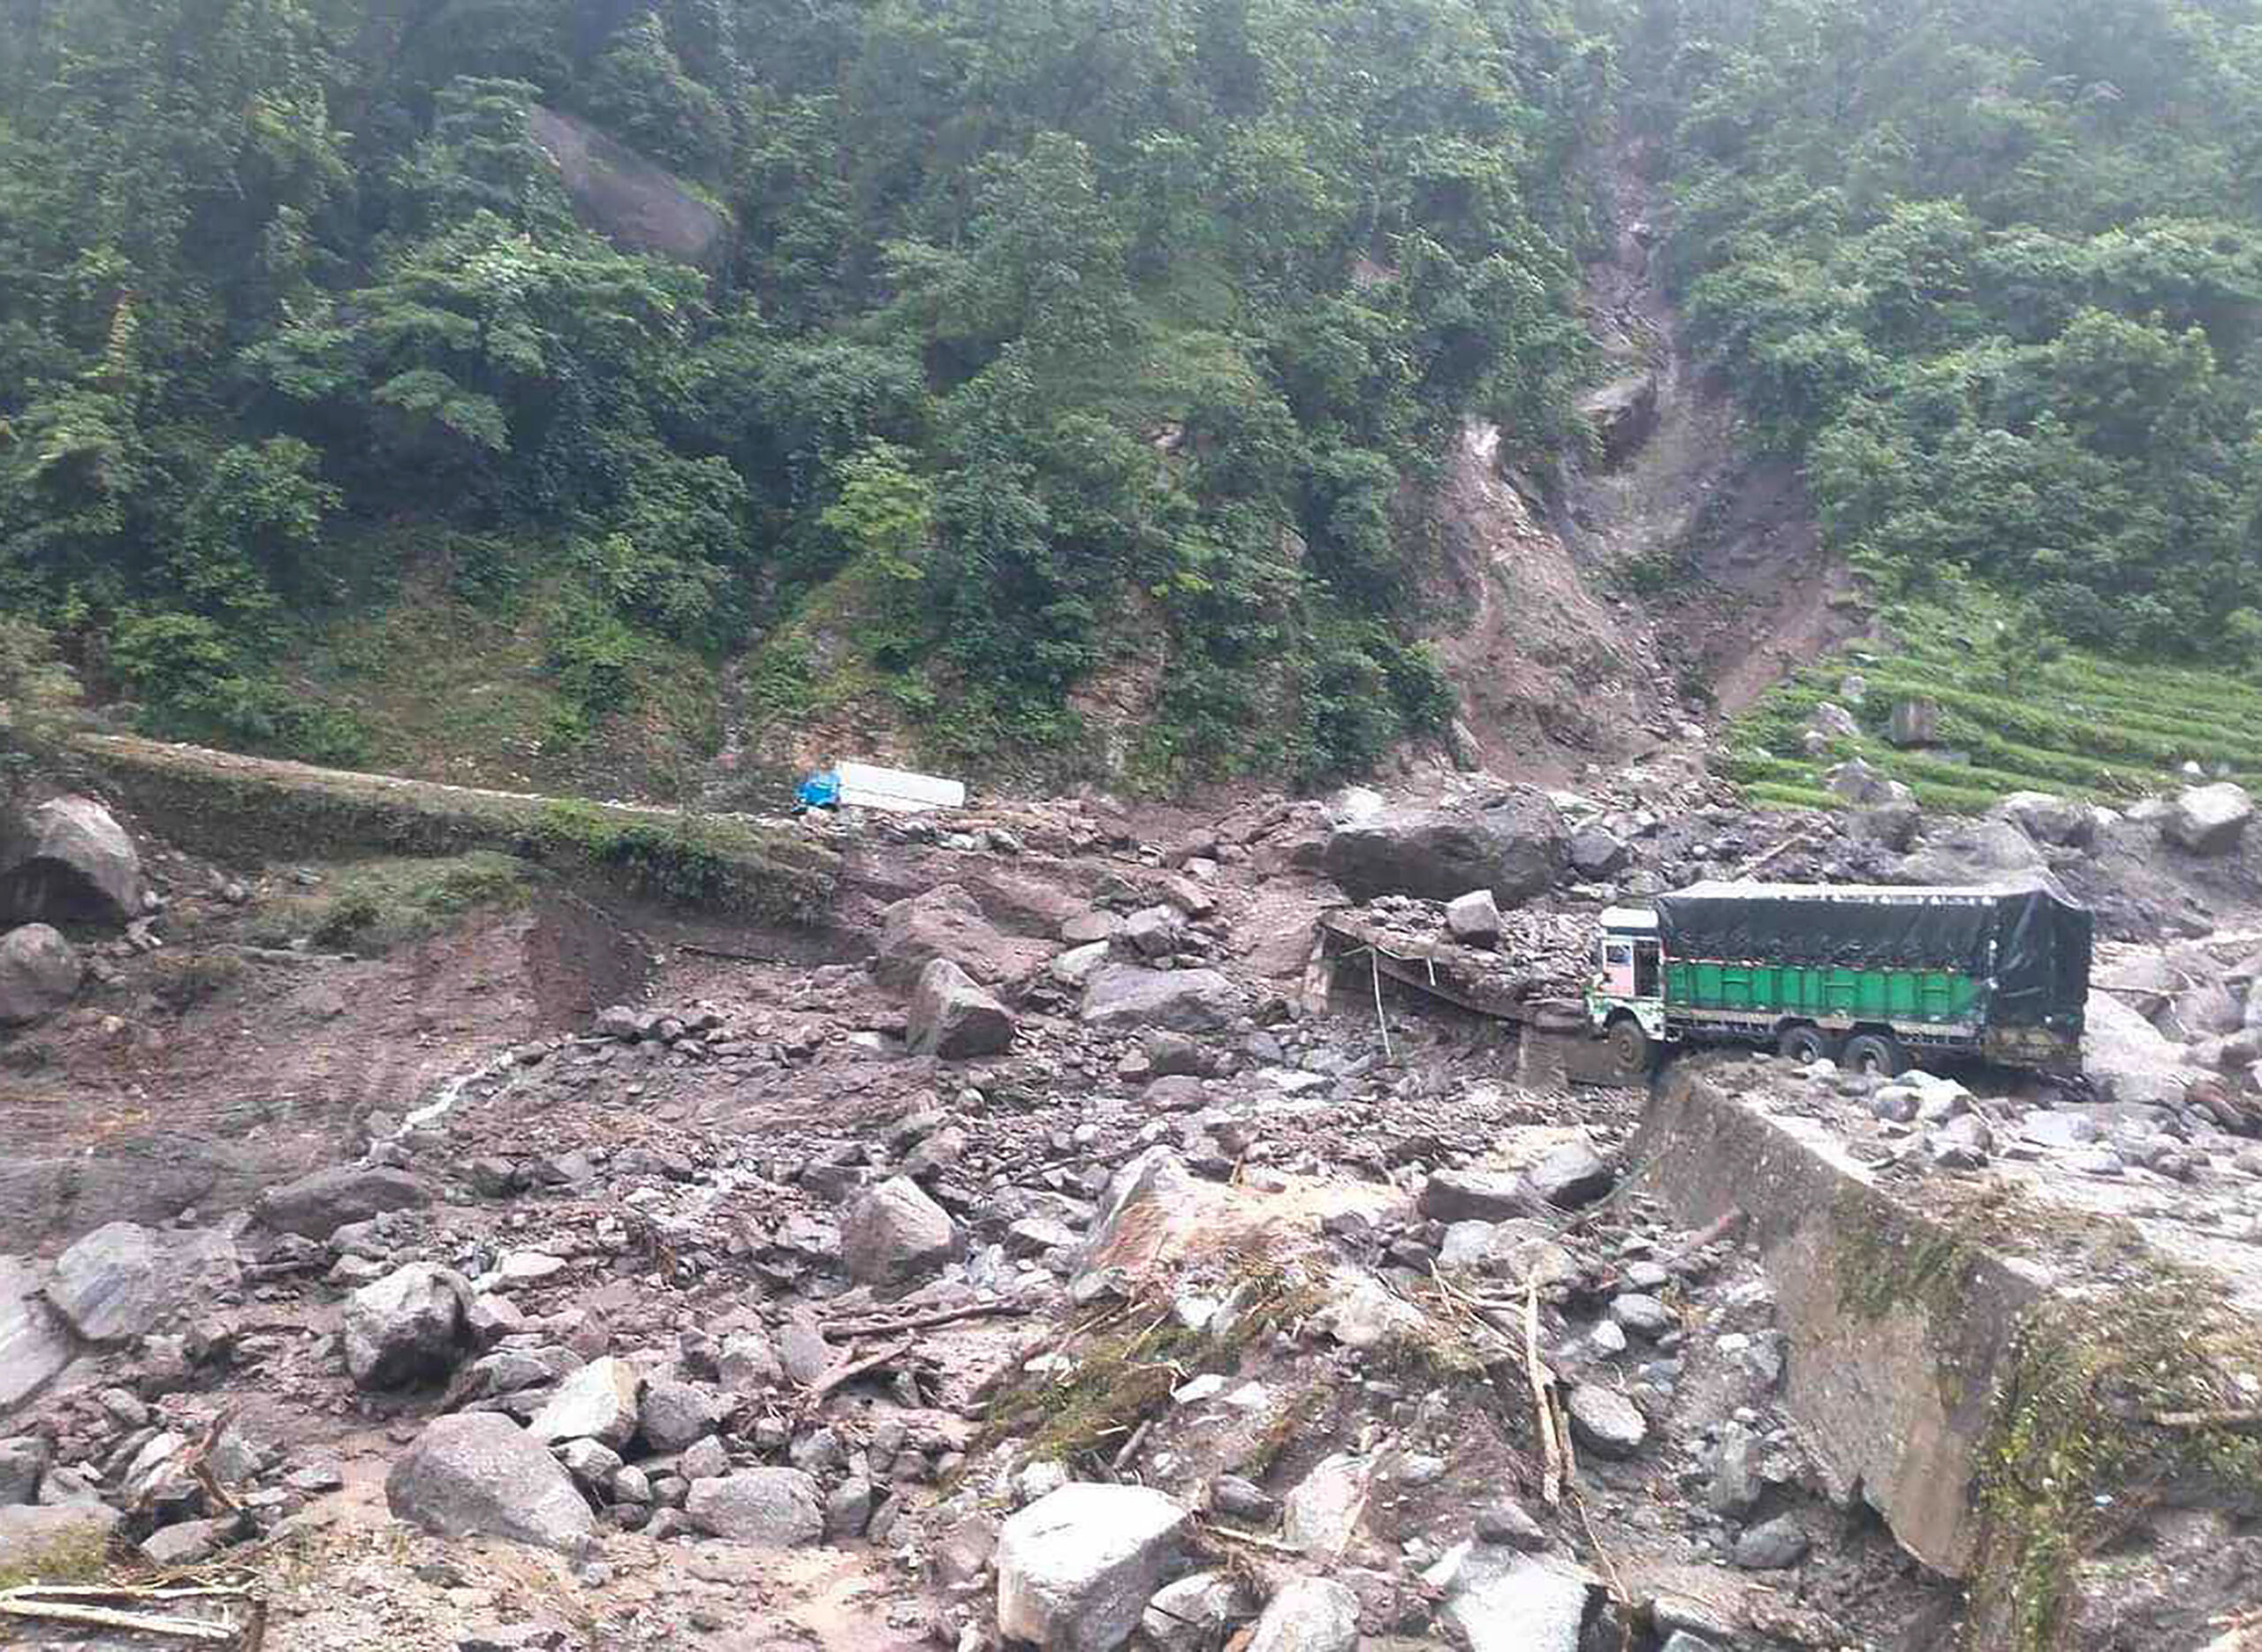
{"points": [[1626, 1002]]}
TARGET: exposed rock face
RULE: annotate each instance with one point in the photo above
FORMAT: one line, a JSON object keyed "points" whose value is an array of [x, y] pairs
{"points": [[1511, 842], [407, 1327], [1864, 786], [630, 200], [1077, 1567], [1914, 722], [1623, 414], [478, 1473], [895, 1233], [68, 861], [2208, 819], [1176, 1000], [39, 973], [121, 1279], [954, 1019], [770, 1508], [318, 1205], [2130, 1058]]}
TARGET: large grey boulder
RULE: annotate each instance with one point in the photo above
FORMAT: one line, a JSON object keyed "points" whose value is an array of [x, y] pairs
{"points": [[2129, 1058], [68, 861], [318, 1204], [770, 1508], [2048, 819], [954, 1019], [1511, 842], [1915, 721], [894, 1232], [1856, 782], [945, 921], [479, 1475], [1194, 1613], [40, 972], [675, 1416], [1322, 1513], [1974, 851], [35, 1343], [1127, 996], [121, 1280], [628, 198], [1077, 1567], [34, 1537], [599, 1402], [1309, 1615], [1474, 919], [1571, 1175], [23, 1462], [2208, 819], [407, 1327], [1503, 1600]]}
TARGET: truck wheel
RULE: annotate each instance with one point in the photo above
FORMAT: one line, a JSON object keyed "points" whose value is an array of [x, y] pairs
{"points": [[1878, 1054], [1805, 1044], [1630, 1047]]}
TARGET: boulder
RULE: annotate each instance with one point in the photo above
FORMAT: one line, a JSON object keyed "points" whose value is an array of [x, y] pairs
{"points": [[1322, 1513], [954, 1019], [2207, 820], [1856, 782], [1474, 1196], [1501, 1600], [1915, 721], [35, 1537], [1474, 919], [1833, 722], [35, 1343], [407, 1327], [674, 1416], [1153, 932], [598, 1402], [1193, 1614], [1361, 1311], [479, 1475], [945, 921], [1511, 842], [2129, 1058], [23, 1462], [68, 861], [1075, 966], [1127, 996], [1893, 825], [2048, 819], [1077, 1567], [1596, 853], [894, 1232], [1572, 1175], [318, 1205], [1972, 852], [121, 1279], [1604, 1422], [769, 1508], [1309, 1615], [39, 973], [1623, 415]]}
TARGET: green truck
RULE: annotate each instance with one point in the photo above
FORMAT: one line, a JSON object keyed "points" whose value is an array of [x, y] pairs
{"points": [[1873, 977]]}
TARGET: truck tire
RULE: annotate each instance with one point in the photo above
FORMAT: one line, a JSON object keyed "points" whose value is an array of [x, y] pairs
{"points": [[1804, 1044], [1878, 1054], [1630, 1048]]}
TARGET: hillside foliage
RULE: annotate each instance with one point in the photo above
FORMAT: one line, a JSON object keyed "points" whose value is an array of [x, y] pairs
{"points": [[1992, 269], [1024, 309]]}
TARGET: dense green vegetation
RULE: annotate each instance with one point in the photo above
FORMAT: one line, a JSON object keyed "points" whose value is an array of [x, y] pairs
{"points": [[1021, 312], [1991, 268], [2018, 712]]}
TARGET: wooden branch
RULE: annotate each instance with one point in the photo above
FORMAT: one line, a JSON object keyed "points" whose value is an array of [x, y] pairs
{"points": [[855, 1369], [103, 1617], [2209, 1419], [1552, 1487], [1131, 1446], [922, 1321]]}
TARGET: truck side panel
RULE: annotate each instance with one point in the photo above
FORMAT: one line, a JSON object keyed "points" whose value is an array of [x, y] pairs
{"points": [[1826, 995]]}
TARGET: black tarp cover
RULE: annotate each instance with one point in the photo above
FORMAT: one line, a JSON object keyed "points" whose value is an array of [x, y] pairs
{"points": [[2029, 949]]}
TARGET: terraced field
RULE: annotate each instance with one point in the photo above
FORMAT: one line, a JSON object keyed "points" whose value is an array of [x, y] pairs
{"points": [[2074, 723]]}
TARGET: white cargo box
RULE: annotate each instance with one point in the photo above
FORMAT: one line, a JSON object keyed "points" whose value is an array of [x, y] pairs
{"points": [[866, 786]]}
